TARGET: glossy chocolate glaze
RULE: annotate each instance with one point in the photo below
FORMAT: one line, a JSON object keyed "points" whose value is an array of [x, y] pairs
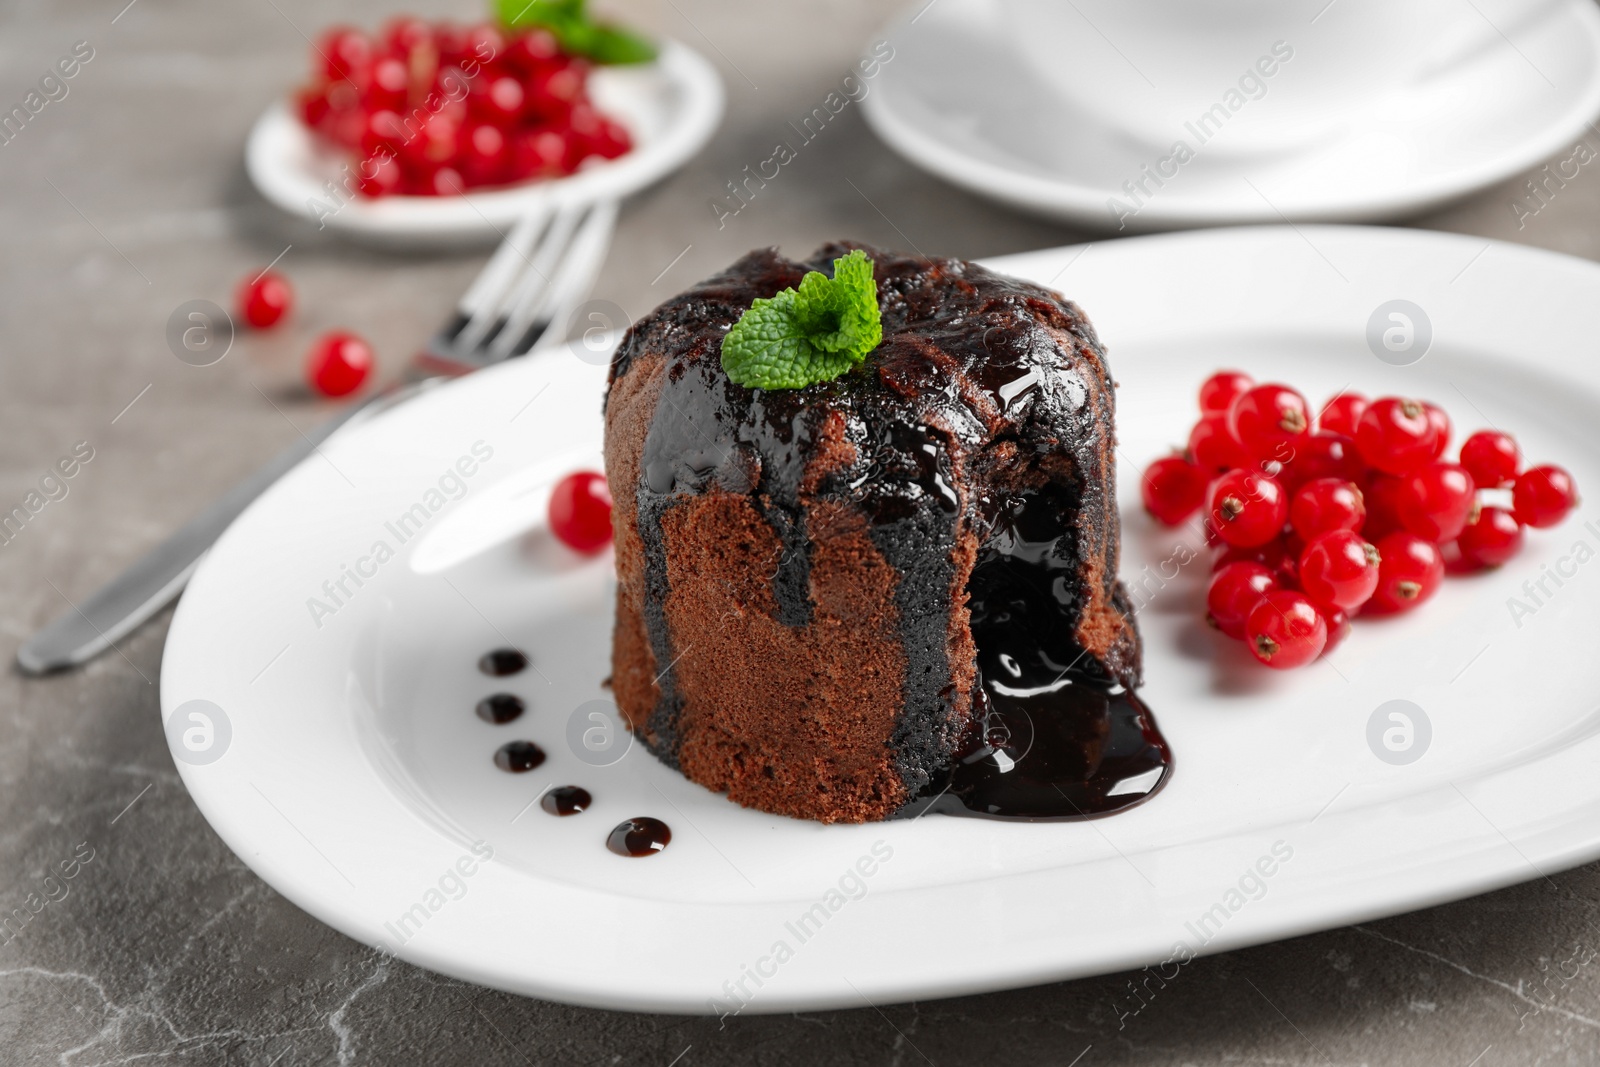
{"points": [[983, 386]]}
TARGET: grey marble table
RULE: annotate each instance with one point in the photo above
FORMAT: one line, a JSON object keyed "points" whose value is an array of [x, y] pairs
{"points": [[126, 198]]}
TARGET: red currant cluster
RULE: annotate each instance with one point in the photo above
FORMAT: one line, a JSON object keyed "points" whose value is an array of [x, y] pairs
{"points": [[1355, 511], [434, 108]]}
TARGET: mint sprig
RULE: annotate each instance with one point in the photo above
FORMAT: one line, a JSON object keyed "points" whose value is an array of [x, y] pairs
{"points": [[813, 334], [574, 31]]}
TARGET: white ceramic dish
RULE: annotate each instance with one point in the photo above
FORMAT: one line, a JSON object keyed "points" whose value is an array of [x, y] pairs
{"points": [[357, 776], [959, 99], [671, 108]]}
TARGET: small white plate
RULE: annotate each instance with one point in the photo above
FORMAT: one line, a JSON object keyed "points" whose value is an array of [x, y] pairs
{"points": [[353, 774], [959, 100], [671, 107]]}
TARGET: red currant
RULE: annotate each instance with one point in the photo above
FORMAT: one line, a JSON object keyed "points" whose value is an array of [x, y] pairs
{"points": [[1218, 392], [1212, 447], [1269, 420], [1338, 628], [1248, 507], [1323, 505], [1234, 592], [1491, 539], [1286, 630], [1437, 501], [1322, 455], [532, 49], [265, 299], [1382, 494], [483, 153], [1396, 436], [1441, 428], [1173, 489], [345, 54], [1339, 569], [580, 512], [1342, 414], [1410, 570], [338, 363], [1542, 496], [379, 175], [405, 34], [1491, 457], [1275, 555]]}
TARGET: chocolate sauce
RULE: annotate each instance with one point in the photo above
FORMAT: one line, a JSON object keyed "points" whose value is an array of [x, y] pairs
{"points": [[643, 836], [500, 708], [518, 756], [566, 800], [1055, 736], [502, 661]]}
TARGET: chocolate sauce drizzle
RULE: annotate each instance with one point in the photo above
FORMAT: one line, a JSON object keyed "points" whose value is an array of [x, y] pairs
{"points": [[1055, 737], [502, 662], [500, 708], [642, 836]]}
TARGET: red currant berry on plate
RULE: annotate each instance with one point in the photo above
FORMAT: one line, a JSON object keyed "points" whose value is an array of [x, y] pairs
{"points": [[379, 175], [532, 49], [1234, 592], [1542, 496], [1437, 501], [1322, 455], [265, 299], [1491, 457], [1395, 435], [406, 34], [1218, 392], [497, 100], [1323, 505], [390, 78], [446, 181], [1269, 420], [580, 511], [1410, 570], [1491, 539], [1286, 630], [1441, 428], [1212, 447], [483, 154], [1339, 569], [1382, 494], [1342, 414], [345, 54], [1248, 507], [1173, 489], [1338, 628], [338, 363]]}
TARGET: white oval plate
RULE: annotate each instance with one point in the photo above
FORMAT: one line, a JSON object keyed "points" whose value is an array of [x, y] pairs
{"points": [[357, 775], [959, 100], [671, 107]]}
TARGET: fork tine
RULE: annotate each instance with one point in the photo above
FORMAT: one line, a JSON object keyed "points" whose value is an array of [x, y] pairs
{"points": [[574, 278], [477, 310], [519, 309]]}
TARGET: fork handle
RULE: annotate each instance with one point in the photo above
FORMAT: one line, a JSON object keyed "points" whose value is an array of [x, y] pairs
{"points": [[87, 629]]}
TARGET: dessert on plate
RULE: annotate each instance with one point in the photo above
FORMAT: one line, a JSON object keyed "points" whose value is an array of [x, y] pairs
{"points": [[866, 544]]}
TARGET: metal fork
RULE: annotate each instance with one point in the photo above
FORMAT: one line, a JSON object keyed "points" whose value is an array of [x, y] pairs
{"points": [[532, 283]]}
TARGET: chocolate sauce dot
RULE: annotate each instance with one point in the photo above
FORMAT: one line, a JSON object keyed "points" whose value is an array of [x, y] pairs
{"points": [[566, 800], [502, 661], [519, 756], [643, 836], [500, 708]]}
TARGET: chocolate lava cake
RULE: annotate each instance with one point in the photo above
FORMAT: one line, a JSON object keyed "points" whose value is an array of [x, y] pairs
{"points": [[893, 590]]}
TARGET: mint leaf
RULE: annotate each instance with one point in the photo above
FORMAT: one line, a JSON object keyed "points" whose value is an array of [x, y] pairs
{"points": [[813, 334], [574, 31]]}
